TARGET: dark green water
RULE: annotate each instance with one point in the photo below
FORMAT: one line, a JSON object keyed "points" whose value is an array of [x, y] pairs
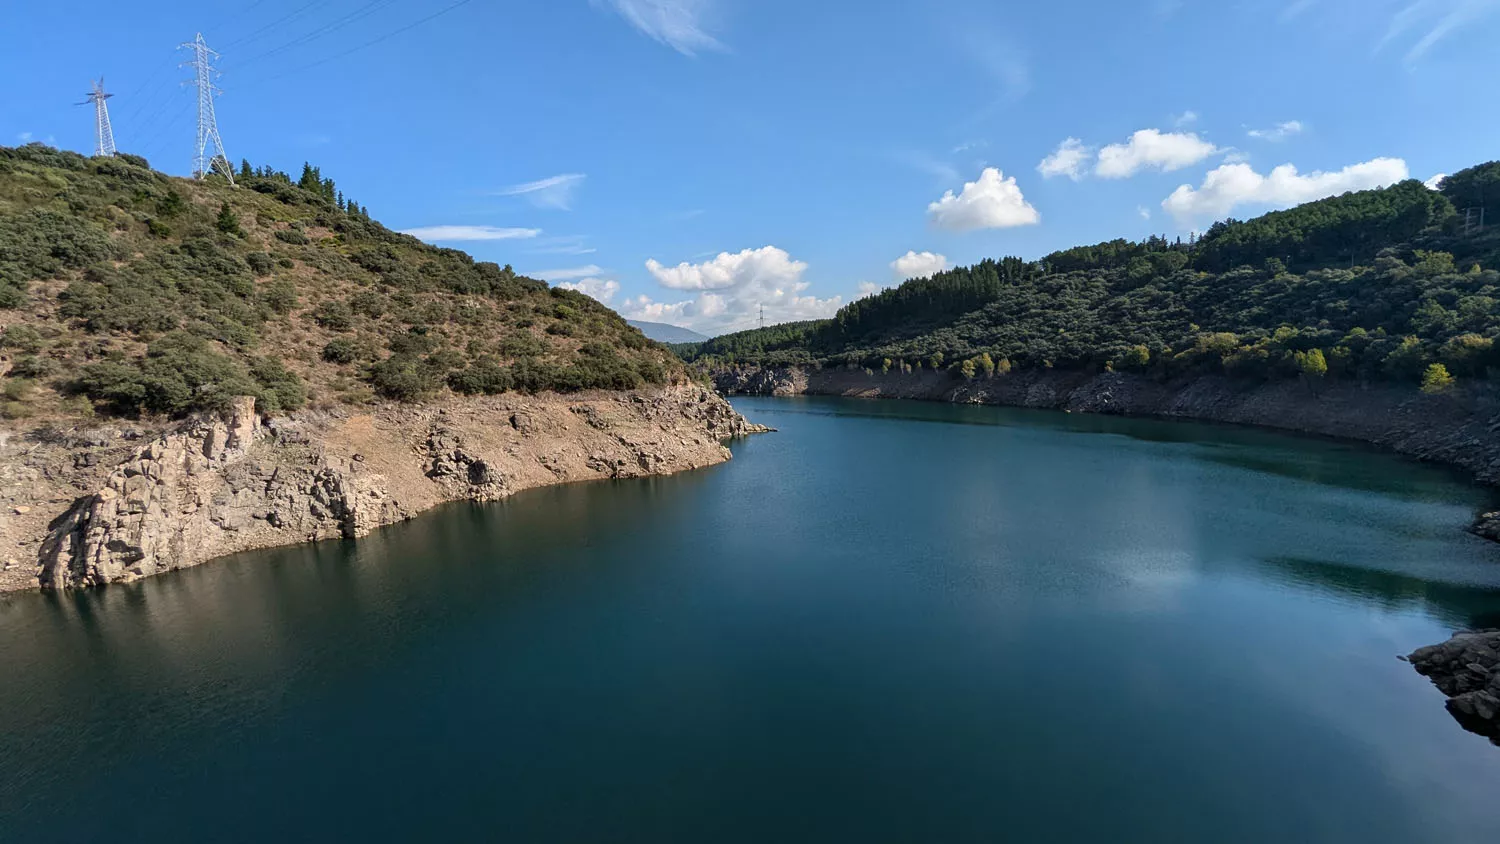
{"points": [[888, 622]]}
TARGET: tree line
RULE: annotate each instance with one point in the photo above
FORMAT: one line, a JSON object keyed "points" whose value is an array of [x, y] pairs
{"points": [[1383, 284]]}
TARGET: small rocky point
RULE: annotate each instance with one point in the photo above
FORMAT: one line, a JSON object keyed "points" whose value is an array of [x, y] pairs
{"points": [[1466, 668]]}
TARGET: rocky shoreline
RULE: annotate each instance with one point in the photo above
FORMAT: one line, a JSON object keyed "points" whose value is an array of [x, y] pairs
{"points": [[87, 506], [1461, 429], [1466, 668]]}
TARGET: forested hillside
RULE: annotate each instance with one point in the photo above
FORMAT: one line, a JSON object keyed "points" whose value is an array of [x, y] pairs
{"points": [[1392, 284], [123, 290]]}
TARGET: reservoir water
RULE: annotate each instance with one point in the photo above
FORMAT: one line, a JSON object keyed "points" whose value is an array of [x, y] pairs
{"points": [[887, 622]]}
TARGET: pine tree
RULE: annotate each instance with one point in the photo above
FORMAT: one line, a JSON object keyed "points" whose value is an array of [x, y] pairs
{"points": [[1436, 380], [228, 222]]}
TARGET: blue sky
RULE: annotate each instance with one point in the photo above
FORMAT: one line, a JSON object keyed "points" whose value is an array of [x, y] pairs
{"points": [[689, 161]]}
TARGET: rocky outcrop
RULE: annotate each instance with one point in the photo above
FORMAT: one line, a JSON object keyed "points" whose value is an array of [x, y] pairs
{"points": [[217, 485], [1466, 668], [762, 381]]}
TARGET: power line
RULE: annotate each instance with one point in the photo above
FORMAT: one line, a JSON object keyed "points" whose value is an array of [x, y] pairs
{"points": [[272, 25], [142, 103], [386, 37], [208, 132], [354, 16], [151, 148]]}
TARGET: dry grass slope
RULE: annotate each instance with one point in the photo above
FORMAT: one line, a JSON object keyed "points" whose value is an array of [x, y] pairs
{"points": [[124, 291]]}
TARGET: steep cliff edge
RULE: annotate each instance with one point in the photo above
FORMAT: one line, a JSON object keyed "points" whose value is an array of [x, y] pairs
{"points": [[113, 503]]}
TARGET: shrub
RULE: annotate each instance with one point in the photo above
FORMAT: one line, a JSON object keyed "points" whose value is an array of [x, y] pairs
{"points": [[41, 244], [22, 338], [260, 263], [403, 378], [292, 236], [334, 315], [483, 377], [32, 366], [280, 296], [180, 373], [171, 205], [340, 350], [369, 303], [280, 388]]}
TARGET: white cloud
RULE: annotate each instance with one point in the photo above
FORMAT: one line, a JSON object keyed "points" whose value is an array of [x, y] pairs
{"points": [[438, 234], [1436, 182], [1000, 58], [1143, 211], [1436, 20], [1166, 8], [24, 137], [1152, 149], [941, 170], [918, 265], [599, 288], [992, 202], [567, 274], [1187, 118], [732, 288], [1296, 9], [728, 270], [1280, 132], [870, 288], [679, 24], [1070, 159], [551, 192], [573, 244], [1233, 185]]}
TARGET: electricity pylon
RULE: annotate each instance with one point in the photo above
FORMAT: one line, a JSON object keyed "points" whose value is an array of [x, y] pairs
{"points": [[208, 124], [104, 135]]}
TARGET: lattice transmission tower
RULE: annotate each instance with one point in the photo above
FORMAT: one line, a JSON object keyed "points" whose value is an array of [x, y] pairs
{"points": [[104, 134], [204, 161]]}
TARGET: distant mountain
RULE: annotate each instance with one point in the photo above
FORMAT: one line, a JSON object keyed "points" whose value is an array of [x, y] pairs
{"points": [[663, 333]]}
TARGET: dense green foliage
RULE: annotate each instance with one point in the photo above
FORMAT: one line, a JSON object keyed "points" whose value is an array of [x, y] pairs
{"points": [[147, 293], [1378, 284]]}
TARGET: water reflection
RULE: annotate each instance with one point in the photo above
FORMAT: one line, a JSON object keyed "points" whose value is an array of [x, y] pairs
{"points": [[866, 627], [1459, 605]]}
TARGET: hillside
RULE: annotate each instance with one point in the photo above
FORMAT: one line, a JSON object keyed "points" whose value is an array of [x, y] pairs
{"points": [[193, 369], [125, 291], [1382, 285]]}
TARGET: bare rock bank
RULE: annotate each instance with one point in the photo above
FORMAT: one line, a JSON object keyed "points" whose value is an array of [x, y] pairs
{"points": [[119, 502], [1460, 429], [1466, 668]]}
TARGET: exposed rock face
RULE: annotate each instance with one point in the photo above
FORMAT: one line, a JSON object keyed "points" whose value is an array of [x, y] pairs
{"points": [[1461, 429], [1467, 669], [154, 501], [758, 381]]}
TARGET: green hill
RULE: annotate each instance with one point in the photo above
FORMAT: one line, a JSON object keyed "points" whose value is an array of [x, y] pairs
{"points": [[123, 290], [1378, 284]]}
